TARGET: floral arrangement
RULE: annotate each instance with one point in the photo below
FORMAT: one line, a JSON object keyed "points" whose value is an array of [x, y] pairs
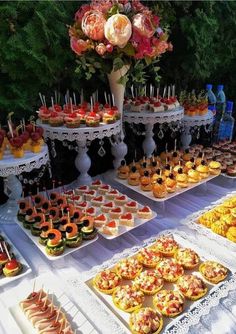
{"points": [[194, 104], [108, 34]]}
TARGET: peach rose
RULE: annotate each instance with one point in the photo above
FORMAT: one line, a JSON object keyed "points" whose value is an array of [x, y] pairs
{"points": [[101, 49], [78, 45], [118, 30], [143, 25], [93, 25]]}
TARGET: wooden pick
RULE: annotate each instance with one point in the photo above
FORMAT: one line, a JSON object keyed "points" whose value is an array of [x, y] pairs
{"points": [[58, 313], [34, 285], [45, 302], [6, 250]]}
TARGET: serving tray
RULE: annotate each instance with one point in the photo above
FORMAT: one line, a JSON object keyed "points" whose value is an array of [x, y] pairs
{"points": [[111, 320]]}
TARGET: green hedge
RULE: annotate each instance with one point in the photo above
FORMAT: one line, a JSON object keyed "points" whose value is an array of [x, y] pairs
{"points": [[35, 54]]}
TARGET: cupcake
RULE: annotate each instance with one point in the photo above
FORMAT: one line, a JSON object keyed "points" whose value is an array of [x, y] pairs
{"points": [[72, 120], [92, 119], [55, 119], [109, 117]]}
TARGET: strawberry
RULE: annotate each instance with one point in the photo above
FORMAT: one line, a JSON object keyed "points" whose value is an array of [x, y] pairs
{"points": [[29, 127], [16, 142], [112, 224], [35, 136]]}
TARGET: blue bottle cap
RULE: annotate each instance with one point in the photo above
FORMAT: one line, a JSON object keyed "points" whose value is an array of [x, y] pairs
{"points": [[208, 86], [229, 105], [220, 87]]}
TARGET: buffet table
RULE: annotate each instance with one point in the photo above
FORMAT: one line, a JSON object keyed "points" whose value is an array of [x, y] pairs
{"points": [[222, 319]]}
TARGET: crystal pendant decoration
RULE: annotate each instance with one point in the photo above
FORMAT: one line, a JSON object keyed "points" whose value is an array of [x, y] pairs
{"points": [[160, 134], [101, 151]]}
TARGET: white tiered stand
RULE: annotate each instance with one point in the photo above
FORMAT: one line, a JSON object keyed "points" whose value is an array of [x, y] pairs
{"points": [[149, 119], [83, 136], [9, 168], [190, 122]]}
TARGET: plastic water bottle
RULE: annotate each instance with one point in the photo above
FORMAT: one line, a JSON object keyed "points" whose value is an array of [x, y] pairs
{"points": [[226, 127], [220, 101], [211, 96]]}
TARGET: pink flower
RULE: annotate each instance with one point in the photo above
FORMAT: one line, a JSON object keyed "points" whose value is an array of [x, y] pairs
{"points": [[102, 6], [78, 45], [80, 13], [155, 20], [170, 47], [93, 24], [141, 44], [101, 49], [142, 23]]}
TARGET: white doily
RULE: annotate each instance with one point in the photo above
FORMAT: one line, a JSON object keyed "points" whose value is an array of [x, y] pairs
{"points": [[150, 117], [198, 120], [191, 221], [11, 166], [108, 323], [82, 133]]}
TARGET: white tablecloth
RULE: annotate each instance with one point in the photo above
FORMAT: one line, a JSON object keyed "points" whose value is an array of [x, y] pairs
{"points": [[221, 320]]}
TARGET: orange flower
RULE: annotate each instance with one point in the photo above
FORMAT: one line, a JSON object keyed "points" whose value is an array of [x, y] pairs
{"points": [[93, 25], [118, 30], [78, 45]]}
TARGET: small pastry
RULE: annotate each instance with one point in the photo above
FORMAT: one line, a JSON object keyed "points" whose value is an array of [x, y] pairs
{"points": [[127, 298], [56, 119], [149, 257], [72, 120], [88, 230], [100, 220], [186, 156], [214, 168], [73, 237], [131, 206], [92, 119], [128, 268], [145, 181], [29, 218], [213, 272], [171, 183], [157, 175], [55, 245], [159, 189], [144, 168], [12, 268], [104, 189], [187, 258], [231, 170], [170, 270], [121, 200], [166, 245], [192, 287], [199, 159], [203, 170], [208, 218], [169, 302], [43, 237], [111, 228], [231, 234], [81, 190], [127, 219], [98, 201], [193, 175], [115, 212], [145, 321], [89, 195], [219, 227], [144, 213], [96, 184], [107, 207], [182, 179], [82, 205], [189, 164], [106, 281], [154, 166], [175, 157], [149, 282], [112, 194], [133, 178], [109, 117]]}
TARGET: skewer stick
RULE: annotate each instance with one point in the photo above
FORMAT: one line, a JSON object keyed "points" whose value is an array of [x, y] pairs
{"points": [[166, 147], [109, 99], [105, 95], [62, 324], [132, 91], [74, 97], [158, 90], [44, 100], [41, 291], [58, 313], [168, 94], [175, 144], [71, 105], [46, 299], [34, 285], [91, 103], [52, 104], [41, 98], [113, 100], [164, 92], [52, 305], [173, 90], [1, 247], [6, 250]]}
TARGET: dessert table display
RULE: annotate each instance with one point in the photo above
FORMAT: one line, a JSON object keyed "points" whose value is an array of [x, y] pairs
{"points": [[171, 118], [10, 168], [74, 268], [194, 123], [83, 136]]}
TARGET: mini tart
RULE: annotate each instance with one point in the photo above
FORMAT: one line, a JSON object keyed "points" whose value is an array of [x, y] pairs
{"points": [[131, 206], [220, 227], [100, 220], [213, 272], [166, 245], [104, 188], [169, 302], [127, 219], [115, 212], [187, 258], [192, 287], [107, 207], [120, 200], [230, 203], [149, 257], [231, 234], [127, 298], [106, 281], [170, 270], [149, 282], [145, 213], [128, 268], [98, 201], [208, 218], [229, 219], [145, 321], [221, 210]]}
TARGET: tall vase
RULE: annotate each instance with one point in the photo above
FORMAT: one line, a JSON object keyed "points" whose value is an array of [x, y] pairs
{"points": [[119, 149]]}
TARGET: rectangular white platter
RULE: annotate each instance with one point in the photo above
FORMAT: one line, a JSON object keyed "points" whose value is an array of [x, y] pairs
{"points": [[26, 268], [116, 321], [150, 195], [67, 250], [16, 322], [191, 222]]}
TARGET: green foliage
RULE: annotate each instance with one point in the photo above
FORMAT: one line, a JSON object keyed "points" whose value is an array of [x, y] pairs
{"points": [[35, 54]]}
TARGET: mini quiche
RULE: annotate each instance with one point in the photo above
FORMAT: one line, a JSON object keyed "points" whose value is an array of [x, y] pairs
{"points": [[127, 298], [213, 272], [146, 321], [169, 302], [166, 245], [149, 257], [106, 281], [128, 268], [192, 287], [149, 282], [170, 270], [187, 258]]}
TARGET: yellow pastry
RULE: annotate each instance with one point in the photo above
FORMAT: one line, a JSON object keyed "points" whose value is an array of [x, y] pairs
{"points": [[193, 175], [133, 178], [171, 183], [229, 219], [192, 287], [187, 258], [128, 268], [203, 170], [231, 234], [127, 298], [106, 281], [213, 272], [169, 302], [208, 218], [214, 168], [219, 227], [166, 245], [145, 321], [149, 282], [159, 189], [189, 164], [157, 175], [145, 181], [182, 179], [123, 170], [186, 156], [149, 257], [230, 203], [221, 210], [170, 270]]}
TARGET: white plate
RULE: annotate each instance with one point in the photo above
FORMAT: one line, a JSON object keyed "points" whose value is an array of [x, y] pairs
{"points": [[150, 195], [42, 248], [15, 320], [101, 305], [26, 269]]}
